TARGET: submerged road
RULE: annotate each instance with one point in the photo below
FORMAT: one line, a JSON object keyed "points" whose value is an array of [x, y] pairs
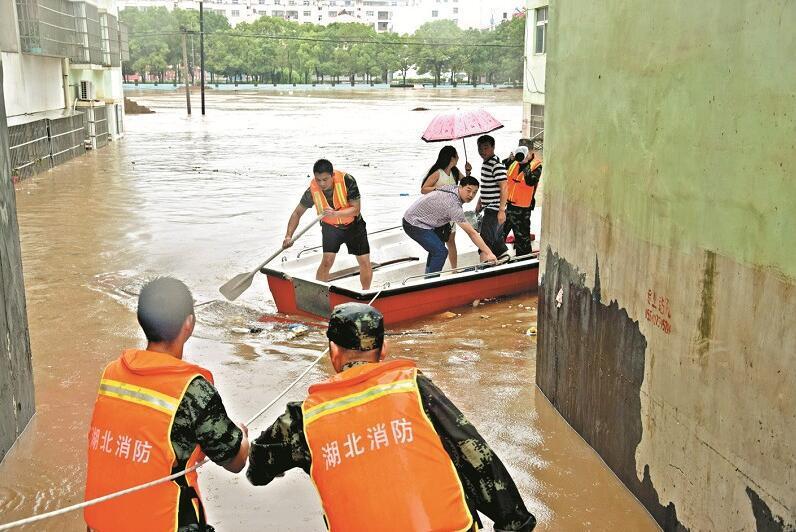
{"points": [[203, 199]]}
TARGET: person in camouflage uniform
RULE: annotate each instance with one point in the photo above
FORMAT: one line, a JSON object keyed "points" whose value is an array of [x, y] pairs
{"points": [[166, 315], [357, 330], [518, 219]]}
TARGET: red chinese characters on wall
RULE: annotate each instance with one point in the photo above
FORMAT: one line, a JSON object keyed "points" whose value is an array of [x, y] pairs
{"points": [[658, 311]]}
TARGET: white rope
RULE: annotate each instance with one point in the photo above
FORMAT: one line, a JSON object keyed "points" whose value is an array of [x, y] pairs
{"points": [[84, 504]]}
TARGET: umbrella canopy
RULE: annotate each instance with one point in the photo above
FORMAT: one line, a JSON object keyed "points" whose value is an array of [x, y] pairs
{"points": [[459, 125]]}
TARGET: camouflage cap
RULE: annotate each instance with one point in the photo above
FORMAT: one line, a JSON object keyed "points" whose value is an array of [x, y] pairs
{"points": [[356, 326]]}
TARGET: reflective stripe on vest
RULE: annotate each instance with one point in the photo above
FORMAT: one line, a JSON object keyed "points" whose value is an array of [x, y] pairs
{"points": [[368, 433], [129, 442], [519, 193], [339, 199], [139, 395]]}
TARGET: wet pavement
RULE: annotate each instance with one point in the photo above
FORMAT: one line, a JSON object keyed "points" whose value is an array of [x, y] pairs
{"points": [[203, 199]]}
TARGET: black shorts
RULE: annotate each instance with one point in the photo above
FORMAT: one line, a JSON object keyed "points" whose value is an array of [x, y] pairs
{"points": [[354, 236]]}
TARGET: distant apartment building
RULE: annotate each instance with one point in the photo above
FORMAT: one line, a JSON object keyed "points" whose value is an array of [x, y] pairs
{"points": [[400, 16], [534, 76], [62, 79]]}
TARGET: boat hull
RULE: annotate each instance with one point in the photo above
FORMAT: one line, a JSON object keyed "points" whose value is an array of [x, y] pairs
{"points": [[404, 303], [411, 305]]}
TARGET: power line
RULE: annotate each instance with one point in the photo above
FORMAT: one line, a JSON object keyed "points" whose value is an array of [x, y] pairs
{"points": [[403, 42]]}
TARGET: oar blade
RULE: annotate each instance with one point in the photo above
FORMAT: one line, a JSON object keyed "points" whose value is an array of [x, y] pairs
{"points": [[233, 288]]}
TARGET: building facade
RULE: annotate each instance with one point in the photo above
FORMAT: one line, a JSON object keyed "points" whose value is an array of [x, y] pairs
{"points": [[668, 288], [534, 73], [62, 79], [399, 16]]}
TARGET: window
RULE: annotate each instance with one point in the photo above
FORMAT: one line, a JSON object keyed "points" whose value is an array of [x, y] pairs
{"points": [[455, 10], [236, 12], [383, 26], [234, 1], [435, 13], [332, 14], [308, 13], [537, 122], [541, 30], [292, 3], [384, 15], [369, 13], [262, 2]]}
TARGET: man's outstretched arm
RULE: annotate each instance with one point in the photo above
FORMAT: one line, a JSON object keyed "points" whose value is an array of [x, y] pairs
{"points": [[279, 448]]}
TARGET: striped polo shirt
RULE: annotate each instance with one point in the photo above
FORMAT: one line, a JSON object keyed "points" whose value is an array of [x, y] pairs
{"points": [[492, 173]]}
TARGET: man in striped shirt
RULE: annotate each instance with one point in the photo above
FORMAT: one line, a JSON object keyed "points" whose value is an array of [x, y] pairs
{"points": [[494, 194]]}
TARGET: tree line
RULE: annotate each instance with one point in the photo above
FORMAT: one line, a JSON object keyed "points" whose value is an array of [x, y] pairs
{"points": [[274, 50]]}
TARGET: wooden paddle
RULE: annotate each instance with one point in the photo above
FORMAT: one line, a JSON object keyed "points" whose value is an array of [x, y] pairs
{"points": [[233, 288]]}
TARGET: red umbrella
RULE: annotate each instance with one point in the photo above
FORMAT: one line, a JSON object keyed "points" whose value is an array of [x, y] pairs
{"points": [[460, 125]]}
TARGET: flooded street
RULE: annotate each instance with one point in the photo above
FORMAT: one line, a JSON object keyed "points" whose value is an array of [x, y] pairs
{"points": [[205, 198]]}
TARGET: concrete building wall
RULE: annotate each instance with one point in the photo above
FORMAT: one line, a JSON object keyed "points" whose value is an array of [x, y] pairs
{"points": [[16, 373], [32, 83], [668, 295]]}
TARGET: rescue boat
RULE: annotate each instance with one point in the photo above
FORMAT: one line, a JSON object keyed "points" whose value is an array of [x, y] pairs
{"points": [[404, 291]]}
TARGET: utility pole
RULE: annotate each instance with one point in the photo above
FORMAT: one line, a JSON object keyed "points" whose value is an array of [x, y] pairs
{"points": [[202, 52], [193, 60], [185, 70]]}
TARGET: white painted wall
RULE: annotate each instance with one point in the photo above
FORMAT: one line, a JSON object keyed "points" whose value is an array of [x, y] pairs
{"points": [[31, 83], [9, 33], [535, 64], [107, 82]]}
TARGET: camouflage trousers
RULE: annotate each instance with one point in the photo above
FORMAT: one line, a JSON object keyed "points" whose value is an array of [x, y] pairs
{"points": [[518, 220]]}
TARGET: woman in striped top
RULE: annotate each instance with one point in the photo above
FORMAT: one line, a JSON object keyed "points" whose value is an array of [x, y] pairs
{"points": [[444, 172]]}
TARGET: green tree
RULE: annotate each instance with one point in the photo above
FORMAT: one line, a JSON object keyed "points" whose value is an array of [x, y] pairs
{"points": [[510, 60], [435, 57]]}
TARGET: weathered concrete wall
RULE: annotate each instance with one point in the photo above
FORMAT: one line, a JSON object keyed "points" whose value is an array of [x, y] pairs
{"points": [[668, 301], [16, 374]]}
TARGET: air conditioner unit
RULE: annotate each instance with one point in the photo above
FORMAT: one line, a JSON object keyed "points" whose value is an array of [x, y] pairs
{"points": [[86, 92]]}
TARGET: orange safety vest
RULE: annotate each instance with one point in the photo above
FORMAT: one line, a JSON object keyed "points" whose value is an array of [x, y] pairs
{"points": [[129, 442], [377, 462], [339, 197], [520, 194]]}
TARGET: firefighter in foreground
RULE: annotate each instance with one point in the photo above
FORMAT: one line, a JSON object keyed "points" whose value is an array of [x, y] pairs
{"points": [[155, 415], [386, 449]]}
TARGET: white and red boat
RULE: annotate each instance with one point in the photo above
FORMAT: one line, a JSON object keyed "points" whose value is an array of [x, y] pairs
{"points": [[398, 274]]}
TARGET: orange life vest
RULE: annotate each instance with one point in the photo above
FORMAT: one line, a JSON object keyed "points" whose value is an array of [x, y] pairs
{"points": [[377, 462], [339, 198], [520, 194], [129, 442]]}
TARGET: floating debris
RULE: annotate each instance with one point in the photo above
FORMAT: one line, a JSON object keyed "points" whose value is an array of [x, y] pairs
{"points": [[298, 329]]}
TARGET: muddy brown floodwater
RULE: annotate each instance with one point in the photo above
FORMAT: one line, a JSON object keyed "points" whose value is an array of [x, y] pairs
{"points": [[206, 198]]}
